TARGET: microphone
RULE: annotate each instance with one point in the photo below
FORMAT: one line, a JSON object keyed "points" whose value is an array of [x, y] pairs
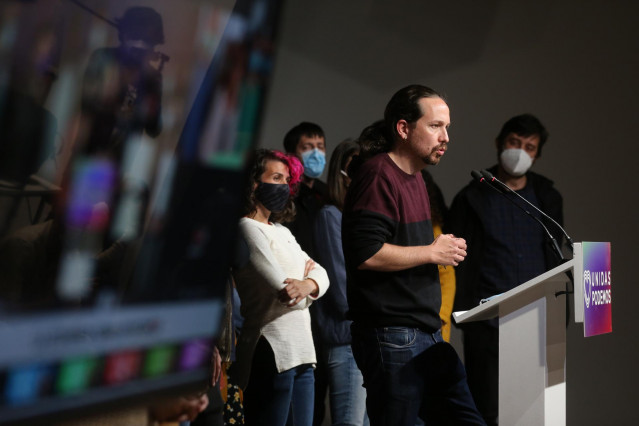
{"points": [[489, 177], [486, 177], [476, 175]]}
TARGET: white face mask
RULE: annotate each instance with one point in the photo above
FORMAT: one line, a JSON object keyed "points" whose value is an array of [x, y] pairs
{"points": [[515, 161]]}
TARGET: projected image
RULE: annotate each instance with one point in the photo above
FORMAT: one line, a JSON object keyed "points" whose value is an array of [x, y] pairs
{"points": [[125, 127]]}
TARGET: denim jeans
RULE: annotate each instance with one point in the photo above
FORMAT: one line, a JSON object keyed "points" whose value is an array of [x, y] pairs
{"points": [[411, 374], [270, 397], [347, 395]]}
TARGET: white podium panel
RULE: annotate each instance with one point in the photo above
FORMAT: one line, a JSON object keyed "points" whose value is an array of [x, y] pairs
{"points": [[532, 348]]}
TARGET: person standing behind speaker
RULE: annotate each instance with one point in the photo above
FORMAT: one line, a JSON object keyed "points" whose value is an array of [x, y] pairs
{"points": [[347, 396], [505, 248], [438, 211], [307, 142], [275, 351]]}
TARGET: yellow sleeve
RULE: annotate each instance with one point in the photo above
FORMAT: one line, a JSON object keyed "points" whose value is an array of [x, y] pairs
{"points": [[447, 281]]}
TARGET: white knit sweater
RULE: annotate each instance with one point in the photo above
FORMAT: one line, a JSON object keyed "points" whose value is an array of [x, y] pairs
{"points": [[274, 257]]}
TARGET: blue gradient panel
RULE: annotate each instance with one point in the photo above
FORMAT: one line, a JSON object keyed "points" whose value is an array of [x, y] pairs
{"points": [[597, 289], [28, 383]]}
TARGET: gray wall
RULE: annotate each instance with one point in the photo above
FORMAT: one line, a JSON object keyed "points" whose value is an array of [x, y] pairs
{"points": [[574, 64]]}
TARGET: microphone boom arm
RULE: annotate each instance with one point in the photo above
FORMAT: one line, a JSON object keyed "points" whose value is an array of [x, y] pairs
{"points": [[489, 176], [482, 177]]}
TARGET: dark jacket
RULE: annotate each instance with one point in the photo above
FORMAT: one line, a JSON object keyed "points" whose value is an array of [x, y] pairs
{"points": [[464, 221], [330, 310], [308, 203]]}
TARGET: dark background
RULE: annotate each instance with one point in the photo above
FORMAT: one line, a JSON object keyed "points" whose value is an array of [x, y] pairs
{"points": [[572, 63]]}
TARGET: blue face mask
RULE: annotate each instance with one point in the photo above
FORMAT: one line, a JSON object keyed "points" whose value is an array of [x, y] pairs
{"points": [[314, 161]]}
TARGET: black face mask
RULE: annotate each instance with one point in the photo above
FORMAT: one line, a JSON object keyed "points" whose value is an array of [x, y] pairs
{"points": [[273, 196]]}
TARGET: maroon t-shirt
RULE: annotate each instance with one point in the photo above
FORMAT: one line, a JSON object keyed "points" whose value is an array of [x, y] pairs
{"points": [[386, 205]]}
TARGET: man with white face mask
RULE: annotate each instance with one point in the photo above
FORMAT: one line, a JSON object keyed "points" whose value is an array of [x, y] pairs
{"points": [[505, 248]]}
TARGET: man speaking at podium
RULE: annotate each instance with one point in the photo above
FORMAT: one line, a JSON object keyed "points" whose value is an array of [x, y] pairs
{"points": [[505, 248], [393, 286]]}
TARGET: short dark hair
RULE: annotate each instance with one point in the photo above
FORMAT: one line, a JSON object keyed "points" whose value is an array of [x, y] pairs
{"points": [[523, 125], [261, 157], [336, 180], [294, 135], [404, 105]]}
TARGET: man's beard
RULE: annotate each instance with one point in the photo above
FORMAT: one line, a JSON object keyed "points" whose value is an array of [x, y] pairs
{"points": [[431, 161], [433, 158]]}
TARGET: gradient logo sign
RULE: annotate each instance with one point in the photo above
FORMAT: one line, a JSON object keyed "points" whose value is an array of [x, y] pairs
{"points": [[597, 289]]}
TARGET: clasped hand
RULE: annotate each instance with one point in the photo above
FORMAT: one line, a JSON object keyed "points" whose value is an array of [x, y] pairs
{"points": [[449, 250]]}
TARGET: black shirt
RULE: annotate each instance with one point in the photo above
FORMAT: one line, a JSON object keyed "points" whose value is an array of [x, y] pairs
{"points": [[308, 203], [514, 249]]}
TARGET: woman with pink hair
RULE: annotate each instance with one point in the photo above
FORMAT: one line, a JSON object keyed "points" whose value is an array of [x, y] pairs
{"points": [[275, 350]]}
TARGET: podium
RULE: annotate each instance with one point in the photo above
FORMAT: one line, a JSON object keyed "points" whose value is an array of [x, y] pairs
{"points": [[532, 344]]}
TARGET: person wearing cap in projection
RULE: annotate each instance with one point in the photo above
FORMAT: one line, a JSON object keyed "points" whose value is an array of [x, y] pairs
{"points": [[122, 86]]}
